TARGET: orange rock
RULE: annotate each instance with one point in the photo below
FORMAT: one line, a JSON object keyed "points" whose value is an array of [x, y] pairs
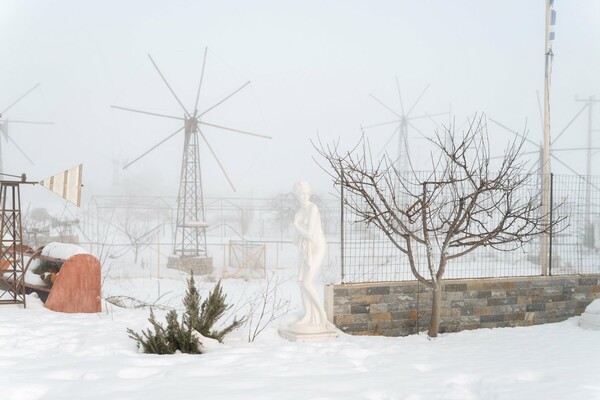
{"points": [[77, 286]]}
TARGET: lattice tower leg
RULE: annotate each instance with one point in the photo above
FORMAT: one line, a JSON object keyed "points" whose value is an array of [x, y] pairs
{"points": [[12, 282]]}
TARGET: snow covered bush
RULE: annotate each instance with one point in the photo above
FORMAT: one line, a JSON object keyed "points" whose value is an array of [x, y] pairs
{"points": [[197, 321]]}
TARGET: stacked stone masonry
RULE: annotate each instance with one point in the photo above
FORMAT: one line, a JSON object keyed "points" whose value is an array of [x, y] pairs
{"points": [[404, 308]]}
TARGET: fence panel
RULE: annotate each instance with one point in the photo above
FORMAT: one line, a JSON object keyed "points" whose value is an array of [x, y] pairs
{"points": [[369, 256]]}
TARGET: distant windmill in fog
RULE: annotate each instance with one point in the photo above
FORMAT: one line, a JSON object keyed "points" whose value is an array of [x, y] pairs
{"points": [[117, 162], [588, 149], [552, 150], [401, 122], [4, 128], [190, 234]]}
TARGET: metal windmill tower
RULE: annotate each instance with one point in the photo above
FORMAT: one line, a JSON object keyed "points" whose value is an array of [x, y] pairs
{"points": [[190, 233], [66, 184], [402, 121], [4, 127]]}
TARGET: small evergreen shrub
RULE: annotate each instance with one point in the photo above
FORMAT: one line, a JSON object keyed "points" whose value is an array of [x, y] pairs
{"points": [[212, 309], [197, 318]]}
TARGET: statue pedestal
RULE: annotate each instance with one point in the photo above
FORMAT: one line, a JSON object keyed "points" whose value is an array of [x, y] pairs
{"points": [[306, 333]]}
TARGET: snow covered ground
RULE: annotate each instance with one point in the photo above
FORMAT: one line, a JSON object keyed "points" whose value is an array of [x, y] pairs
{"points": [[48, 355]]}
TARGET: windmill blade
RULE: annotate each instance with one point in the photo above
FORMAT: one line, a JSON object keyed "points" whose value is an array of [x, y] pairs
{"points": [[19, 99], [437, 126], [565, 165], [529, 152], [18, 148], [514, 132], [570, 122], [418, 99], [387, 142], [147, 112], [397, 121], [201, 78], [428, 116], [521, 154], [217, 159], [4, 129], [155, 146], [399, 96], [16, 121], [576, 149], [234, 130], [416, 129], [169, 86], [380, 102], [225, 99], [575, 172], [4, 125]]}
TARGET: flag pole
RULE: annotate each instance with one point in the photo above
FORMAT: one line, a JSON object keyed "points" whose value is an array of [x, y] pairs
{"points": [[546, 170]]}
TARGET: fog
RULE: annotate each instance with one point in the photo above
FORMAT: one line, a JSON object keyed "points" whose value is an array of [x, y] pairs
{"points": [[313, 66]]}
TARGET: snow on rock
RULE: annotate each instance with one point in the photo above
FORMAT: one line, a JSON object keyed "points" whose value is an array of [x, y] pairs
{"points": [[62, 250], [590, 319], [593, 307]]}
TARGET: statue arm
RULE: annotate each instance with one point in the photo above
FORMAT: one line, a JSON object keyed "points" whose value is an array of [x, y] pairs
{"points": [[309, 231]]}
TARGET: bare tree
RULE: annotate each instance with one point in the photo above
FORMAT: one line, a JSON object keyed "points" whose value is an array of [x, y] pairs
{"points": [[461, 205], [138, 233], [266, 306]]}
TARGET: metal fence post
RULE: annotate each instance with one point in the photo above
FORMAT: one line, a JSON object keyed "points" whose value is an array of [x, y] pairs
{"points": [[551, 221], [342, 223]]}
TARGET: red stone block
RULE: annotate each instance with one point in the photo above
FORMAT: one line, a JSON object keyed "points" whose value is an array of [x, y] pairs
{"points": [[77, 286]]}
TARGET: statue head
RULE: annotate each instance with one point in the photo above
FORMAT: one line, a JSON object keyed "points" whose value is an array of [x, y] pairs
{"points": [[302, 192]]}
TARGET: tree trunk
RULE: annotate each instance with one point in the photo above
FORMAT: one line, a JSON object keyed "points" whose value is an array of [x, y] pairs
{"points": [[436, 307]]}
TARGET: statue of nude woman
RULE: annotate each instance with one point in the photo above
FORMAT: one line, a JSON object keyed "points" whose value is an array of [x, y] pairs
{"points": [[312, 248]]}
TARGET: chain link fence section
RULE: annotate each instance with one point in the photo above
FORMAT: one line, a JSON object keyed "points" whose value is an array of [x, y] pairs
{"points": [[368, 256]]}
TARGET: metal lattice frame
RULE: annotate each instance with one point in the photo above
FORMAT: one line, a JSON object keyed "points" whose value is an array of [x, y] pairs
{"points": [[190, 234], [12, 280]]}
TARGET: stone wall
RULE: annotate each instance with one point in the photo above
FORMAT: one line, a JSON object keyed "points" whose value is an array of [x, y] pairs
{"points": [[404, 308]]}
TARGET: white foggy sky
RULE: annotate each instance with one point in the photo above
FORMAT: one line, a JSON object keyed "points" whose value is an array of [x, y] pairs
{"points": [[312, 65]]}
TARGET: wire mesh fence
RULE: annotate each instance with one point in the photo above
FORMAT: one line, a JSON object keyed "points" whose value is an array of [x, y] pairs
{"points": [[368, 255], [364, 253]]}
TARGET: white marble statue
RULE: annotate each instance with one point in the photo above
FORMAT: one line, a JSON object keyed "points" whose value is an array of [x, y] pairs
{"points": [[312, 248]]}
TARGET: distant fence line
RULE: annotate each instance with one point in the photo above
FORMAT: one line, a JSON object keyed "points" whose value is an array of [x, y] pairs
{"points": [[368, 256], [363, 252], [243, 217]]}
